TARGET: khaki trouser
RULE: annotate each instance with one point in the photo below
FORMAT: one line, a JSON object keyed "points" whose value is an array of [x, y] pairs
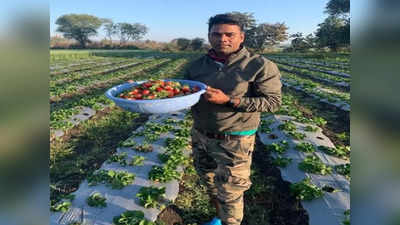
{"points": [[224, 166]]}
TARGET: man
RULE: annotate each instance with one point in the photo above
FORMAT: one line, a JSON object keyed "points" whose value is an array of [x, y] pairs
{"points": [[240, 86]]}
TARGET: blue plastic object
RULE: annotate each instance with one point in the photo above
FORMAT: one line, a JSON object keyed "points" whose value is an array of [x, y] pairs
{"points": [[214, 221], [156, 106]]}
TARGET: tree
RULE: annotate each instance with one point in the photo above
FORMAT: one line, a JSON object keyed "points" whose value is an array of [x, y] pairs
{"points": [[182, 43], [266, 35], [298, 42], [247, 19], [333, 32], [127, 31], [79, 27], [338, 8], [197, 44], [110, 28]]}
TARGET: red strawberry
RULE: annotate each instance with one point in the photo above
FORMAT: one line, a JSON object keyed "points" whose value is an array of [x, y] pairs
{"points": [[145, 92], [177, 91], [186, 88]]}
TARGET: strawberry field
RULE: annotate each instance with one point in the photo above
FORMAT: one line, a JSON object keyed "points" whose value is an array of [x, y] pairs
{"points": [[109, 166]]}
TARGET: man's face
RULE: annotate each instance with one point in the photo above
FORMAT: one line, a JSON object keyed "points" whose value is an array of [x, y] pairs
{"points": [[225, 38]]}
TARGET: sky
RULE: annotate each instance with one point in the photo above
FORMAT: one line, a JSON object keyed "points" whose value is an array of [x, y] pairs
{"points": [[170, 19]]}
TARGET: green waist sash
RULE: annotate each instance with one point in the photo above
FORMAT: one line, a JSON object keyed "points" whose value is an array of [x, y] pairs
{"points": [[246, 132]]}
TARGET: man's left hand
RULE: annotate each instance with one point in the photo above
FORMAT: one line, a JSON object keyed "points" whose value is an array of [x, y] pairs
{"points": [[215, 96]]}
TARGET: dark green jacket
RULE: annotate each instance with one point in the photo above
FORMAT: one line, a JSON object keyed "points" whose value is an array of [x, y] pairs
{"points": [[250, 77]]}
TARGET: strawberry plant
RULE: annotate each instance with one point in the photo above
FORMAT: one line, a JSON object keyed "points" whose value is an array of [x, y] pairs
{"points": [[131, 217], [144, 147], [176, 143], [312, 164], [137, 161], [287, 126], [119, 158], [340, 151], [150, 197], [343, 137], [311, 129], [282, 161], [96, 200], [279, 148], [152, 131], [182, 132], [319, 121], [115, 179], [297, 135], [62, 206], [173, 158], [305, 147], [343, 169], [163, 174], [305, 190], [128, 143], [264, 126]]}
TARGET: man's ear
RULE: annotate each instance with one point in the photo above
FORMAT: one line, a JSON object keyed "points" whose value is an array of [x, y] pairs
{"points": [[242, 36]]}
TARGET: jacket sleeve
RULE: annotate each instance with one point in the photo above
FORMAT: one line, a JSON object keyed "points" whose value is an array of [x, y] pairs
{"points": [[267, 85]]}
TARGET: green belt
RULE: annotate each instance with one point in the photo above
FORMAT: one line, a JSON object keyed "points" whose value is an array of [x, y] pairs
{"points": [[246, 132]]}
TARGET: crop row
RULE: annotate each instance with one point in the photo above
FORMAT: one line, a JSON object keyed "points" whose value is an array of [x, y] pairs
{"points": [[336, 59], [68, 89], [88, 66], [318, 91], [335, 82], [339, 74], [72, 83], [318, 64], [71, 64]]}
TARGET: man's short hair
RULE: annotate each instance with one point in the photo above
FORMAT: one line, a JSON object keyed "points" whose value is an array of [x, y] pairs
{"points": [[226, 18]]}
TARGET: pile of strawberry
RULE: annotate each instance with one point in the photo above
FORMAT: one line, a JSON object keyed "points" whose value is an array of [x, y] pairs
{"points": [[158, 89]]}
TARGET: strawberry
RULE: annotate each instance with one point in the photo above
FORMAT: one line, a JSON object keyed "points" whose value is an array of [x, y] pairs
{"points": [[176, 91], [138, 96], [145, 92], [168, 88], [186, 88]]}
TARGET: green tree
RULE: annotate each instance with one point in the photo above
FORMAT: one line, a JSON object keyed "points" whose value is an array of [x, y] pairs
{"points": [[197, 43], [338, 7], [127, 31], [110, 28], [247, 19], [183, 43], [79, 27], [266, 35], [298, 42], [334, 32]]}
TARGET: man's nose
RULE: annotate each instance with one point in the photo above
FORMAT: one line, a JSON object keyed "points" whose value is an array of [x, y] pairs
{"points": [[224, 38]]}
